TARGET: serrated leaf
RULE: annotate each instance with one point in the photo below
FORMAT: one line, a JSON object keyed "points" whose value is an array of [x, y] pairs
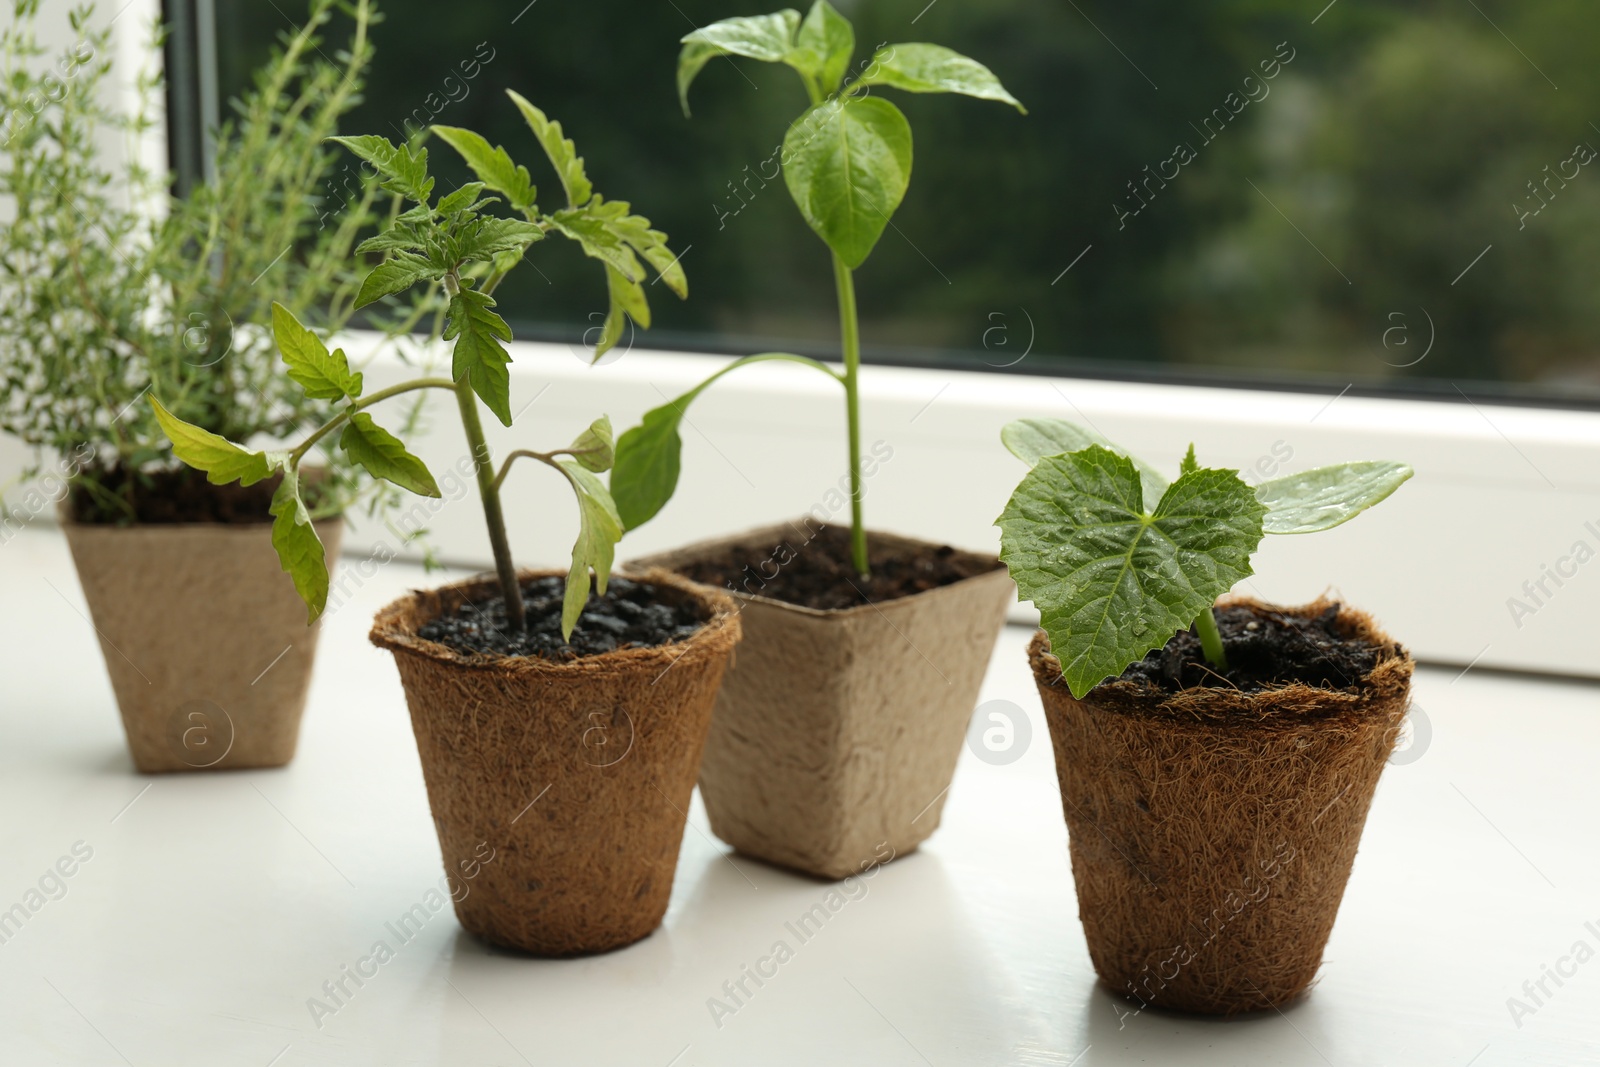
{"points": [[1112, 582], [622, 298], [404, 171], [322, 374], [221, 459], [932, 68], [562, 152], [1189, 462], [598, 240], [488, 237], [599, 530], [596, 446], [478, 355], [460, 200], [397, 238], [300, 551], [492, 165], [847, 163], [1324, 497], [1030, 440], [395, 275], [823, 46], [384, 456], [635, 232]]}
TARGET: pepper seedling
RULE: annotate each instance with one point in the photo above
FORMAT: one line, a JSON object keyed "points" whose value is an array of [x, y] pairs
{"points": [[1118, 561], [847, 163], [455, 244]]}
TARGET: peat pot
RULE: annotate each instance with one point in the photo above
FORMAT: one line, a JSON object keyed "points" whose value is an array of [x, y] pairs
{"points": [[1212, 831], [837, 732], [204, 637], [559, 790]]}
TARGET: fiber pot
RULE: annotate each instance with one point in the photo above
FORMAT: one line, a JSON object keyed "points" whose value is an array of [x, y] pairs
{"points": [[1212, 831], [204, 638], [559, 790], [837, 732]]}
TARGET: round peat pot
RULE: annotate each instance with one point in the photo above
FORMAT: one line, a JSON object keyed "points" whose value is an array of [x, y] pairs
{"points": [[837, 731], [560, 790], [204, 638], [1212, 831]]}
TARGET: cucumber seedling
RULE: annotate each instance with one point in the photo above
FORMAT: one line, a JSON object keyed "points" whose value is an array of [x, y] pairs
{"points": [[456, 244], [847, 163], [1118, 561]]}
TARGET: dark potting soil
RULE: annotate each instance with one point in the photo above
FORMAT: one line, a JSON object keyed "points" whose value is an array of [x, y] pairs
{"points": [[1264, 649], [169, 496], [817, 573], [630, 615]]}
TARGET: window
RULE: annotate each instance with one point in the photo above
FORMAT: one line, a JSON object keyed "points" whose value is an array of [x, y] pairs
{"points": [[1390, 197]]}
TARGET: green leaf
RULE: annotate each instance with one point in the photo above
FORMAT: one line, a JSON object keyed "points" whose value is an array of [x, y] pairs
{"points": [[769, 38], [1323, 497], [221, 459], [1112, 582], [399, 237], [598, 240], [1030, 440], [691, 60], [635, 232], [823, 46], [478, 355], [300, 552], [403, 171], [932, 68], [488, 237], [563, 154], [847, 163], [395, 275], [323, 375], [492, 165], [460, 200], [1189, 462], [596, 445], [384, 456], [599, 531], [649, 460]]}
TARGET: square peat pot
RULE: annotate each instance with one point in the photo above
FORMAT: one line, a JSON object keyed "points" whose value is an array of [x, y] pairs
{"points": [[836, 732], [204, 638]]}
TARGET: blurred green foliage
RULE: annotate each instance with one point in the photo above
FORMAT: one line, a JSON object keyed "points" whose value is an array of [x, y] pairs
{"points": [[1397, 145]]}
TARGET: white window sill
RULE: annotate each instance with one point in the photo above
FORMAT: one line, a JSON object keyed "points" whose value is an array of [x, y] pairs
{"points": [[1501, 495], [216, 904]]}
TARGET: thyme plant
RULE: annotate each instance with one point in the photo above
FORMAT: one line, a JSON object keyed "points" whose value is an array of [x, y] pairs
{"points": [[456, 242], [1117, 560], [110, 288], [847, 163]]}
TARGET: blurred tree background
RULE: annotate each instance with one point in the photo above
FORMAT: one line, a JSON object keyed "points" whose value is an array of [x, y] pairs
{"points": [[1412, 180]]}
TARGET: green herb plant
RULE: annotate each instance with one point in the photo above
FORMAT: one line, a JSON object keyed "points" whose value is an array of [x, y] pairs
{"points": [[1117, 560], [111, 288], [847, 163], [455, 242]]}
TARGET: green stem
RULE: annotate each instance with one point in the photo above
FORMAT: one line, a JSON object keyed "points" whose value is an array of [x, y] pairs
{"points": [[493, 516], [367, 401], [1211, 639], [850, 337]]}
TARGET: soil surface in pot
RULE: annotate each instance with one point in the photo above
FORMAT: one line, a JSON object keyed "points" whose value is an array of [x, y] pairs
{"points": [[1265, 649], [630, 615], [170, 496], [818, 573]]}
